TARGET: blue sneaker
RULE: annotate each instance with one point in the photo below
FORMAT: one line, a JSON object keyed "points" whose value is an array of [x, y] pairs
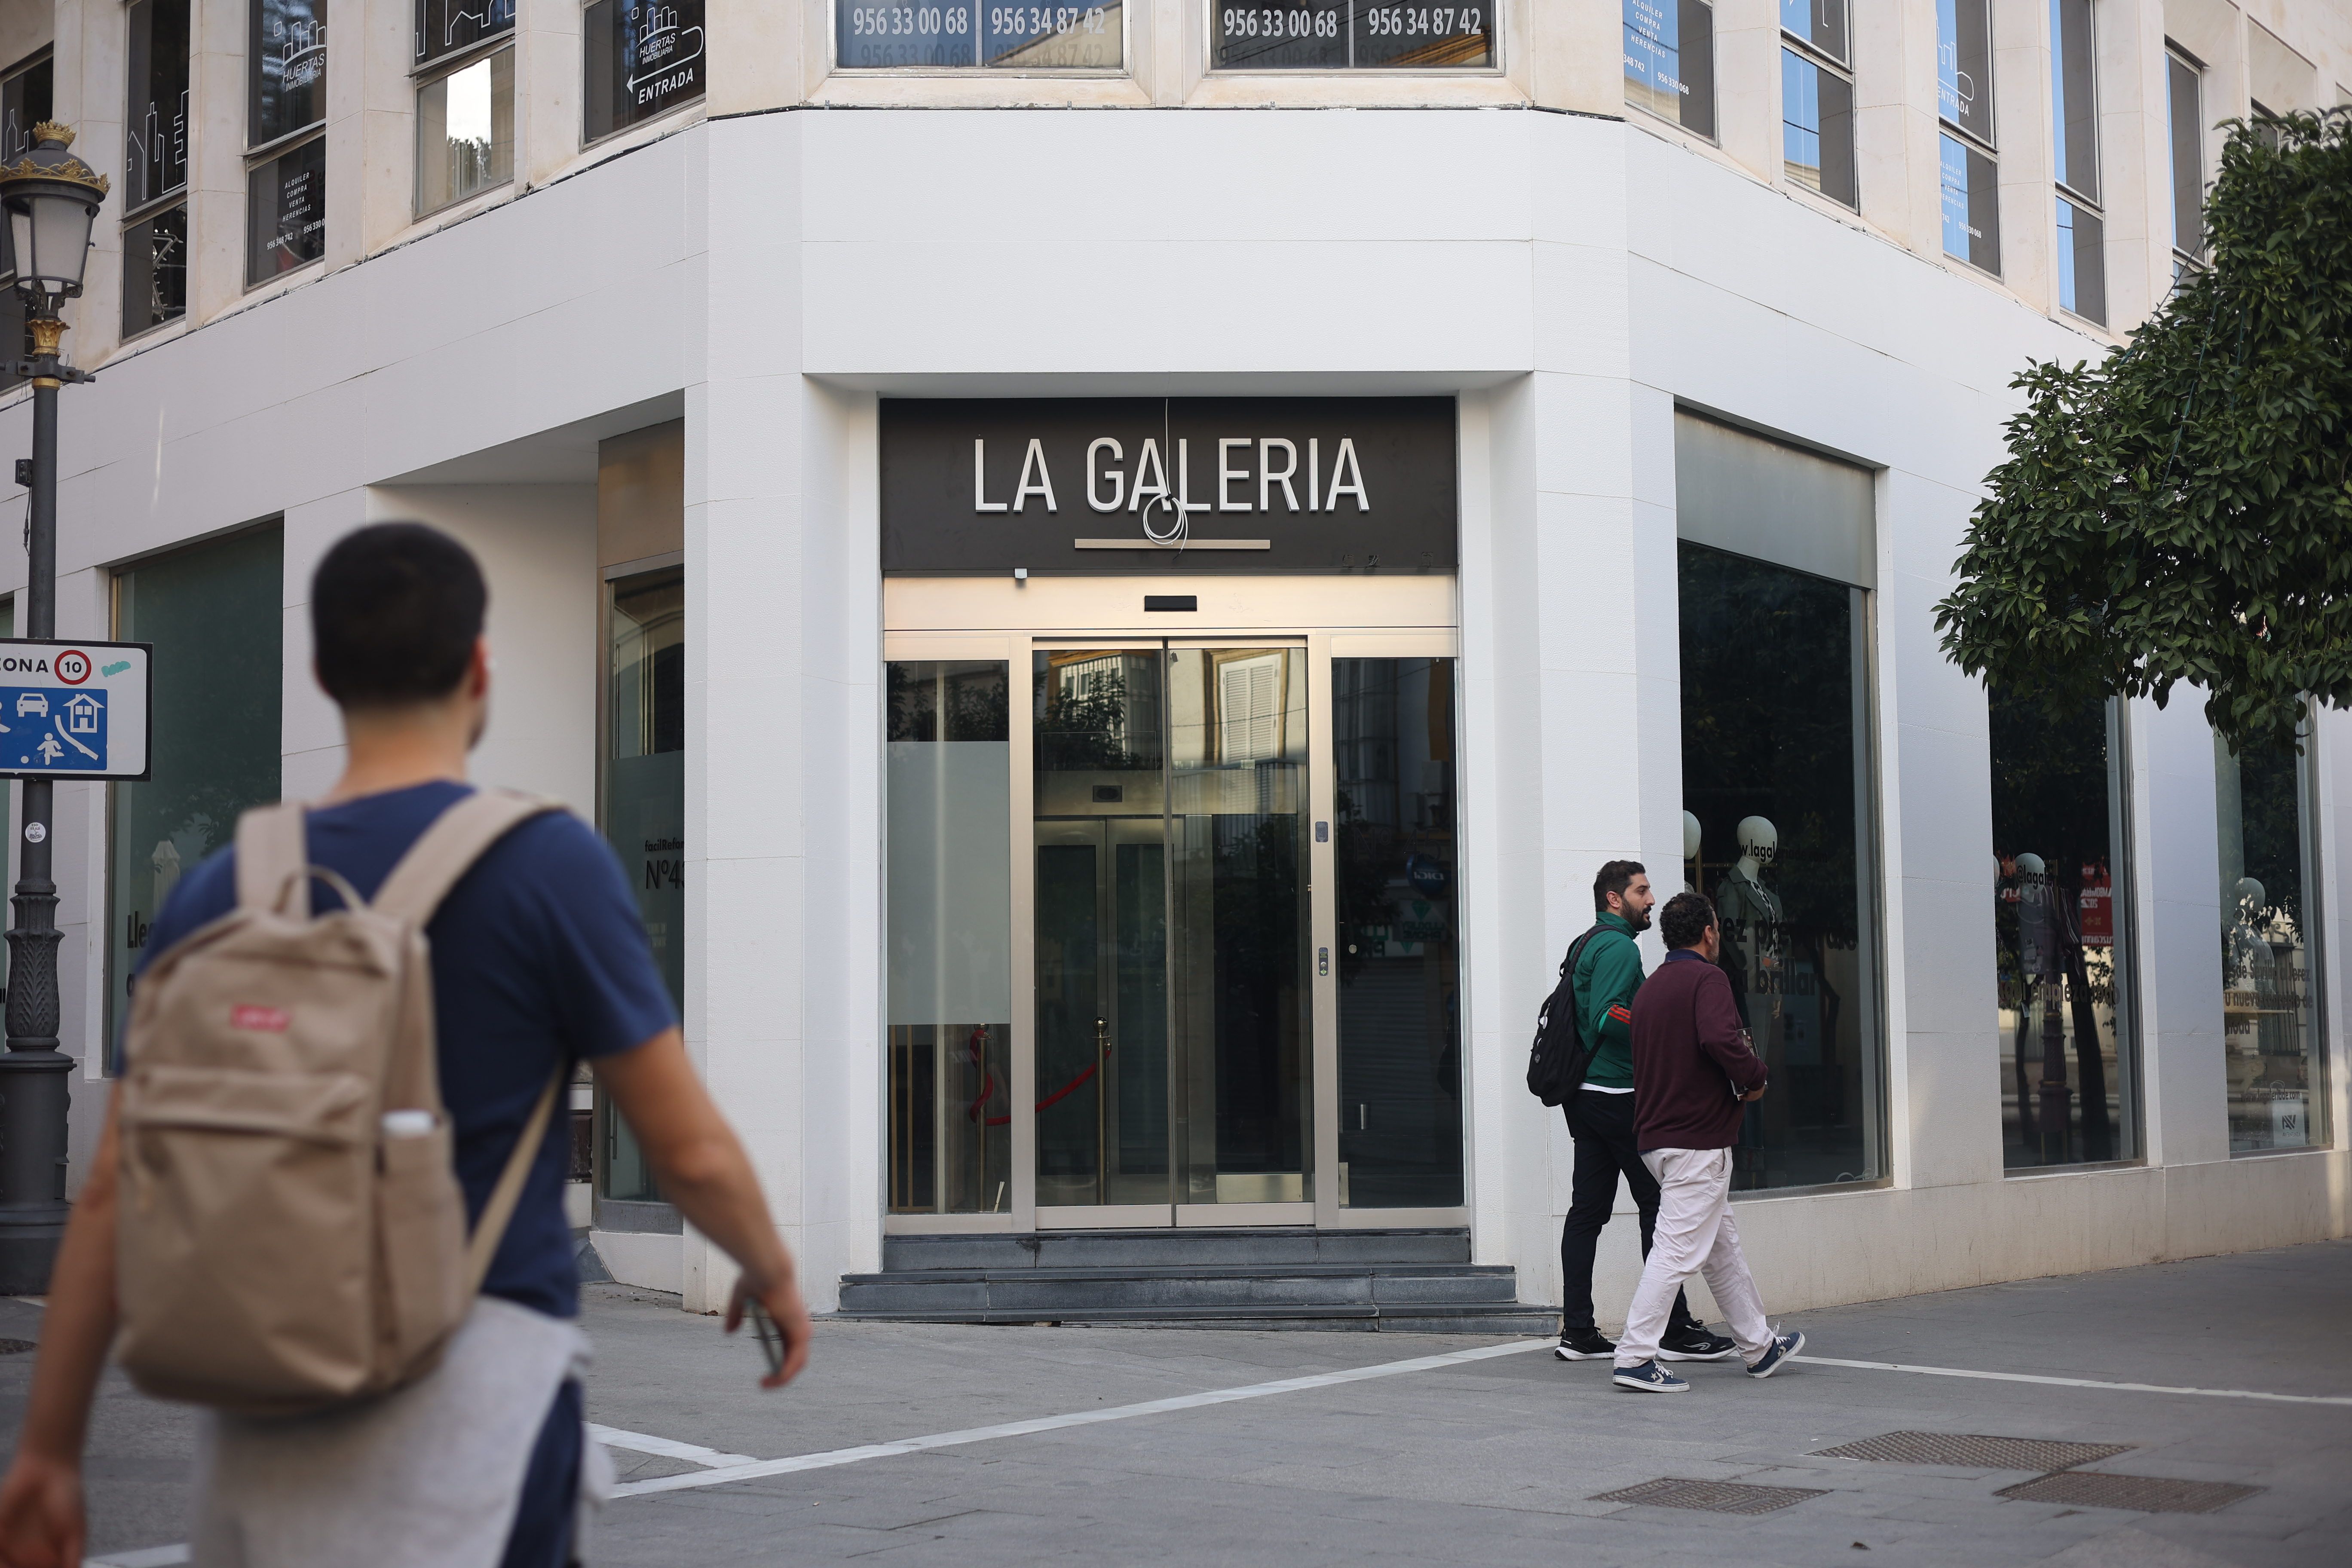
{"points": [[1650, 1378], [1785, 1349]]}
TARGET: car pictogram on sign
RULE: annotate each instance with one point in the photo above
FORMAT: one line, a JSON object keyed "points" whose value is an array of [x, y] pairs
{"points": [[31, 702]]}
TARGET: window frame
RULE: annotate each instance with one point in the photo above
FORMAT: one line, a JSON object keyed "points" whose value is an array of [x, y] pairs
{"points": [[1208, 67], [13, 310], [683, 107], [2177, 57], [283, 147], [1821, 59], [1125, 69], [2069, 192], [422, 76], [156, 205], [1715, 107]]}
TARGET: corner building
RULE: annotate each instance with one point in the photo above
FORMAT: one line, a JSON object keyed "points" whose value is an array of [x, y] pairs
{"points": [[1112, 573]]}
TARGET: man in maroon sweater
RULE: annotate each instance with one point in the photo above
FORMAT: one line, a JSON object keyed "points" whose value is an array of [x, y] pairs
{"points": [[1694, 1069]]}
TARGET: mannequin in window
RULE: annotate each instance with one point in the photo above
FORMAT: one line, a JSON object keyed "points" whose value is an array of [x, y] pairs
{"points": [[2046, 938], [1750, 915], [2252, 970]]}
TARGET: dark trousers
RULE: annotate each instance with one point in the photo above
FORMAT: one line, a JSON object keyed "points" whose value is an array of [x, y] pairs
{"points": [[1602, 1126]]}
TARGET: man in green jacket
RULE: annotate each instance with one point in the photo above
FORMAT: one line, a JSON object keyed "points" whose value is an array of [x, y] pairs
{"points": [[1600, 1120]]}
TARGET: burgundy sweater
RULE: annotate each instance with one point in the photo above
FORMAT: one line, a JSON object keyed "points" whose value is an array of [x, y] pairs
{"points": [[1692, 1060]]}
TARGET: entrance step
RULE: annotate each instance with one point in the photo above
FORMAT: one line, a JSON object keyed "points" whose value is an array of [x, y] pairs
{"points": [[1419, 1280]]}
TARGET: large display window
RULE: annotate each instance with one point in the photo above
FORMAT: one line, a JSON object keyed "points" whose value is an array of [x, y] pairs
{"points": [[1778, 831], [2275, 1062], [2062, 934]]}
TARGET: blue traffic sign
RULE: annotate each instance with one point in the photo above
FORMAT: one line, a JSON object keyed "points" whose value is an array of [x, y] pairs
{"points": [[74, 709]]}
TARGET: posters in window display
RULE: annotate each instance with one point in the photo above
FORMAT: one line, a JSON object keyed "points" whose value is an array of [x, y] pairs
{"points": [[287, 68], [451, 26]]}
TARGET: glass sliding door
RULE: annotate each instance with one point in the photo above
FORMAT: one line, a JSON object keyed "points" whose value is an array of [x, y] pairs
{"points": [[1173, 1005], [1397, 962]]}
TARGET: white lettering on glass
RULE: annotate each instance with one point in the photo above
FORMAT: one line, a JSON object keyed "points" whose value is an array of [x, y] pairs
{"points": [[980, 501], [1227, 475], [1117, 479], [1342, 465], [1268, 476], [1034, 461]]}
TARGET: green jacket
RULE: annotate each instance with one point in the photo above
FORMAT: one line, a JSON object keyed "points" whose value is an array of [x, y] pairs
{"points": [[1608, 972]]}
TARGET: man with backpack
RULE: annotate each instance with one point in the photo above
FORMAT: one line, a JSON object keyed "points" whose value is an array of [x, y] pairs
{"points": [[1605, 973], [416, 1401], [1696, 1072]]}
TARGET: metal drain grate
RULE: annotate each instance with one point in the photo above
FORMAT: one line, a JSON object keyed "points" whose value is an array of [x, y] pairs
{"points": [[2141, 1494], [1974, 1451], [1711, 1497]]}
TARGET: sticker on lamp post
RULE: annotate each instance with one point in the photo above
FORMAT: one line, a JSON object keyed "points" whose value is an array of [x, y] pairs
{"points": [[75, 709]]}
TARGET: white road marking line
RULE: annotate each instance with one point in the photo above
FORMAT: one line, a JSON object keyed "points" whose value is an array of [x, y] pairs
{"points": [[668, 1448], [764, 1467], [2078, 1382], [145, 1557]]}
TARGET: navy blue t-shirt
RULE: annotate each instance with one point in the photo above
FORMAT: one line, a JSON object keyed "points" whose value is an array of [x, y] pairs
{"points": [[538, 958]]}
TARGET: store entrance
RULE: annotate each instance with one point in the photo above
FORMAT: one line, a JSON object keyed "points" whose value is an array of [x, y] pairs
{"points": [[1175, 920]]}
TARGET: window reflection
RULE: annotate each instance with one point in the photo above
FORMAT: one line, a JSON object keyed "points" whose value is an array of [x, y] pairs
{"points": [[1670, 62], [1398, 932], [1775, 770], [2276, 1086], [2059, 934]]}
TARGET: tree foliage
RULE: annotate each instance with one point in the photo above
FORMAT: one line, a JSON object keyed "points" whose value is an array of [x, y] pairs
{"points": [[2181, 510]]}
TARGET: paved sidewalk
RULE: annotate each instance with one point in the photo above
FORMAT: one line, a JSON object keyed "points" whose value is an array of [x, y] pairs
{"points": [[1495, 1461]]}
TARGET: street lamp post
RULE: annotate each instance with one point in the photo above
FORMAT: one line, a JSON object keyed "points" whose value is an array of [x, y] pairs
{"points": [[51, 198]]}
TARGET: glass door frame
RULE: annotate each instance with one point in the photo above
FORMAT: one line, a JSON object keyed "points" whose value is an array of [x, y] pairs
{"points": [[1011, 629]]}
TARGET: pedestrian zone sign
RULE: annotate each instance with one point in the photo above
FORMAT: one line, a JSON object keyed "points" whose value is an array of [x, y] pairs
{"points": [[74, 709]]}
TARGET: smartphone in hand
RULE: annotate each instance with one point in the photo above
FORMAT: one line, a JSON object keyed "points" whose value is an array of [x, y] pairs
{"points": [[771, 1338]]}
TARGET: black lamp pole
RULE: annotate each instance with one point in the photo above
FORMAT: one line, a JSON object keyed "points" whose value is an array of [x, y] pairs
{"points": [[49, 254]]}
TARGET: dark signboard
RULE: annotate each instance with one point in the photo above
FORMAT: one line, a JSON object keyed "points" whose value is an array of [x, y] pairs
{"points": [[1186, 484], [641, 59]]}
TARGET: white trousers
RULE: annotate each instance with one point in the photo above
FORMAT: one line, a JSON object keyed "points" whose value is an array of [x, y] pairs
{"points": [[1695, 1234]]}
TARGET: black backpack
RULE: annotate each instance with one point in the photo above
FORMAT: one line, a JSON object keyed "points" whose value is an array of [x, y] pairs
{"points": [[1560, 1057]]}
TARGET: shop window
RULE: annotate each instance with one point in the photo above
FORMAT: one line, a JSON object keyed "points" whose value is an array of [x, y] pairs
{"points": [[1397, 854], [2075, 127], [1349, 35], [2184, 81], [638, 59], [2270, 921], [1670, 62], [1776, 768], [286, 69], [1970, 177], [24, 102], [947, 934], [642, 794], [465, 132], [215, 615], [979, 34], [2061, 932], [285, 213]]}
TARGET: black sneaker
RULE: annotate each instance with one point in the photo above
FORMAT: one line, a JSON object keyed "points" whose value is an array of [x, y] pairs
{"points": [[1584, 1344], [1695, 1344]]}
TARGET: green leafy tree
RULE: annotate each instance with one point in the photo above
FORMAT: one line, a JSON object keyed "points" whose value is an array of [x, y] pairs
{"points": [[2181, 510]]}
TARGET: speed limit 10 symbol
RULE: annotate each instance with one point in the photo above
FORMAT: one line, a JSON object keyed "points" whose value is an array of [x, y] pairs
{"points": [[73, 667]]}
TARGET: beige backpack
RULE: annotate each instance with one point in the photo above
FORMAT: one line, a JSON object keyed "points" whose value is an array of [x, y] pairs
{"points": [[290, 1234]]}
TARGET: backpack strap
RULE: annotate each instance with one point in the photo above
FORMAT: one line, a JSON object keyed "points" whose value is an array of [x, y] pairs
{"points": [[491, 1228], [449, 848], [271, 852]]}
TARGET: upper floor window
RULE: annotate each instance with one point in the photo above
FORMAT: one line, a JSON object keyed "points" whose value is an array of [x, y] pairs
{"points": [[24, 102], [2074, 126], [1817, 98], [639, 59], [2184, 101], [155, 165], [1670, 62], [1970, 179], [286, 69], [879, 34], [1349, 35], [465, 112]]}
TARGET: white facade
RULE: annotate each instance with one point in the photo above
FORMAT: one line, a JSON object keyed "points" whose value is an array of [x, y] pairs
{"points": [[1571, 269]]}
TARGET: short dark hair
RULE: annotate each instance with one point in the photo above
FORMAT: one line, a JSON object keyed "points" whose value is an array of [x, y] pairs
{"points": [[1686, 919], [394, 610], [1615, 877]]}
